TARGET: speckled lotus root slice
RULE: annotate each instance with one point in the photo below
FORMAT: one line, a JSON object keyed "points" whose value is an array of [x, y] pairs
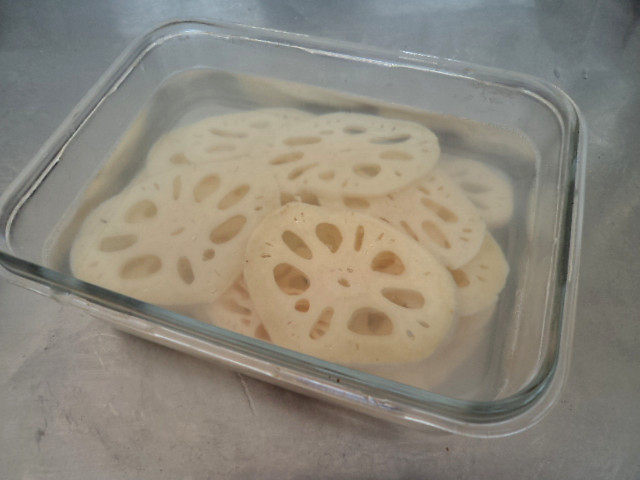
{"points": [[346, 287], [222, 137], [234, 311], [488, 188], [433, 211], [482, 279], [352, 154], [175, 238]]}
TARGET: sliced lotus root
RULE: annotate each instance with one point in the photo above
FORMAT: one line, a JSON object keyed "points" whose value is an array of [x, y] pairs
{"points": [[234, 311], [488, 188], [177, 237], [346, 287], [433, 211], [352, 154], [482, 279], [220, 137], [286, 93]]}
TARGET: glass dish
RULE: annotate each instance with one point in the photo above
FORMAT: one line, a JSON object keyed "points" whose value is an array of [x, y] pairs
{"points": [[185, 70]]}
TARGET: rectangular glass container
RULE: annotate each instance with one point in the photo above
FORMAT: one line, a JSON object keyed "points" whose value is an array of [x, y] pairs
{"points": [[185, 70]]}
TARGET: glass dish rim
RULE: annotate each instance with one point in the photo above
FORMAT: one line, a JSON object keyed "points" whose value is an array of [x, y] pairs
{"points": [[477, 418]]}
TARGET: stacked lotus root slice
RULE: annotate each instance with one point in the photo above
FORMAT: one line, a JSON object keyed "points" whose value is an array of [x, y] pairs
{"points": [[341, 236]]}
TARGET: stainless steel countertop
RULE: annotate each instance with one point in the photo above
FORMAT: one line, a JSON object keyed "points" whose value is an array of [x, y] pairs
{"points": [[80, 400]]}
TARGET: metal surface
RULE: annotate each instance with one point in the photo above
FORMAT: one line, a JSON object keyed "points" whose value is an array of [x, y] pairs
{"points": [[80, 400]]}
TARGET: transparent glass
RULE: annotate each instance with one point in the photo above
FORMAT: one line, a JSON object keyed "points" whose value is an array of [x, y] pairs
{"points": [[186, 70]]}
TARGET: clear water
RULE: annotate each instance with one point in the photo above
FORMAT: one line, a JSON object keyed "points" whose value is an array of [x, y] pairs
{"points": [[469, 364]]}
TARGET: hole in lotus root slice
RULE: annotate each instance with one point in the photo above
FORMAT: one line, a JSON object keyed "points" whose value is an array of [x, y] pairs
{"points": [[286, 197], [286, 158], [226, 133], [291, 280], [309, 198], [443, 212], [395, 155], [141, 211], [140, 267], [262, 334], [370, 321], [206, 187], [367, 170], [327, 175], [298, 171], [461, 278], [185, 271], [116, 243], [296, 244], [179, 159], [387, 262], [227, 229], [241, 288], [354, 130], [391, 139], [356, 203], [176, 187], [322, 324], [404, 297], [407, 228], [330, 235], [220, 148], [435, 234], [296, 141], [357, 242], [233, 197], [302, 305]]}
